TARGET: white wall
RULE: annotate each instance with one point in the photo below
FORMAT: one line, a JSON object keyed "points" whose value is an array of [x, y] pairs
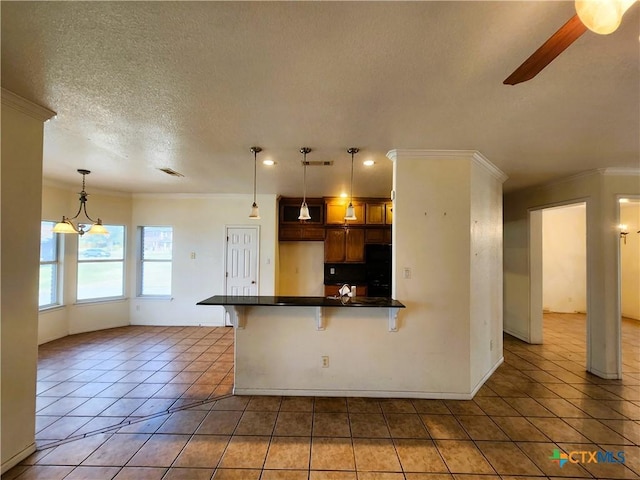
{"points": [[432, 237], [630, 260], [301, 268], [600, 189], [71, 318], [199, 223], [486, 272], [564, 259], [21, 180]]}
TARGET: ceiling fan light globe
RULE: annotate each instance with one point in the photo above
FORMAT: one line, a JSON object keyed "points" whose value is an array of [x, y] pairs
{"points": [[602, 16]]}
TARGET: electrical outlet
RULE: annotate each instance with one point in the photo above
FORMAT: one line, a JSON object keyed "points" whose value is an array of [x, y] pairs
{"points": [[406, 273], [325, 361], [491, 345], [193, 255]]}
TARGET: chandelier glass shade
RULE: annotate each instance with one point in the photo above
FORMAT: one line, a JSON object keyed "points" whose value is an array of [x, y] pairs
{"points": [[80, 227]]}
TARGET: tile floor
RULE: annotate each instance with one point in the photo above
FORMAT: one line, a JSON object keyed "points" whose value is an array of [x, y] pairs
{"points": [[539, 400]]}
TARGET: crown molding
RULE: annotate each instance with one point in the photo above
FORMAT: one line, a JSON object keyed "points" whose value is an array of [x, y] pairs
{"points": [[25, 106], [620, 171], [202, 196], [472, 155]]}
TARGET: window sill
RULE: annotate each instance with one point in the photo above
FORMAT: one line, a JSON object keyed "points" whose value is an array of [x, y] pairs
{"points": [[50, 308], [81, 303], [166, 298]]}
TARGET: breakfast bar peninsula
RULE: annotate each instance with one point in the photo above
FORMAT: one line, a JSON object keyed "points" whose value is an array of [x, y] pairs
{"points": [[313, 345]]}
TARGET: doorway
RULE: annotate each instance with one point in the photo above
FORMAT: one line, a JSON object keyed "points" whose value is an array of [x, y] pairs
{"points": [[241, 263], [558, 289]]}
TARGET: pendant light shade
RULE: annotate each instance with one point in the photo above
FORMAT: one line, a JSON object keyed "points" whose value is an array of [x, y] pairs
{"points": [[255, 212], [351, 214], [81, 227], [304, 209]]}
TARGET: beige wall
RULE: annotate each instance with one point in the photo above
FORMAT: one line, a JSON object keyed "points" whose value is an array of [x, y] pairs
{"points": [[600, 190], [630, 260], [199, 223], [301, 268], [21, 190], [564, 259]]}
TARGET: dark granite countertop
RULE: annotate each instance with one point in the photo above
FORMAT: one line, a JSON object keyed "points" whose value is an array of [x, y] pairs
{"points": [[266, 301]]}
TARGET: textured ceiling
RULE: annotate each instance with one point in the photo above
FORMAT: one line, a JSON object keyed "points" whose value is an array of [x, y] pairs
{"points": [[192, 85]]}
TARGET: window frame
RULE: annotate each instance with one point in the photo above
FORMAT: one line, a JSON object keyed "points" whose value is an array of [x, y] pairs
{"points": [[57, 264], [142, 261], [122, 260]]}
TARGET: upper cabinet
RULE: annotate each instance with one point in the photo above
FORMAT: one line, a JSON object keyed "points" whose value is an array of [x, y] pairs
{"points": [[371, 213], [292, 229], [337, 207], [375, 213]]}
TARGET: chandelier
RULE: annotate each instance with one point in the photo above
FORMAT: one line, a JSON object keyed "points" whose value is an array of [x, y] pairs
{"points": [[80, 227]]}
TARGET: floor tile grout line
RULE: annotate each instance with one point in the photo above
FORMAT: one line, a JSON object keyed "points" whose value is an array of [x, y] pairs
{"points": [[126, 423]]}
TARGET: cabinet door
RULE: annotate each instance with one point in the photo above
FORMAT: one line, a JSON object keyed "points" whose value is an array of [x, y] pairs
{"points": [[374, 235], [334, 245], [354, 245], [375, 213], [336, 210], [388, 218]]}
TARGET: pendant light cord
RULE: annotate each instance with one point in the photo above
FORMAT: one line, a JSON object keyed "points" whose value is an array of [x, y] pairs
{"points": [[304, 177], [255, 173], [351, 188]]}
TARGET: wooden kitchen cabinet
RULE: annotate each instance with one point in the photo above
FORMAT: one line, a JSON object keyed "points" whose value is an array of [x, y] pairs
{"points": [[332, 290], [292, 229], [344, 245], [378, 235], [336, 209], [388, 216], [376, 213]]}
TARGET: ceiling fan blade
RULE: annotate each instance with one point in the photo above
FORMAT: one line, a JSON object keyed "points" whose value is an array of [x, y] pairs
{"points": [[557, 43]]}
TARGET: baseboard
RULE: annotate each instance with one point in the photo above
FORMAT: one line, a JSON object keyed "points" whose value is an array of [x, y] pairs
{"points": [[606, 376], [17, 458], [352, 393], [519, 336], [486, 377]]}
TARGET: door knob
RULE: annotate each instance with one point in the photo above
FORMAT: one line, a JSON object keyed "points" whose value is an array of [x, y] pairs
{"points": [[253, 282]]}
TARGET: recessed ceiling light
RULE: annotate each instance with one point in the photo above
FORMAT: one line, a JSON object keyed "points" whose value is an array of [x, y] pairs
{"points": [[368, 163], [268, 162]]}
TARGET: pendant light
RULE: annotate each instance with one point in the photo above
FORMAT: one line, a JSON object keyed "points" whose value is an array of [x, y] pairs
{"points": [[93, 226], [255, 213], [351, 214], [304, 209]]}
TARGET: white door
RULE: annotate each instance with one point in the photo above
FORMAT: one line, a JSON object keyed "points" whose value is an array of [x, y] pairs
{"points": [[241, 277]]}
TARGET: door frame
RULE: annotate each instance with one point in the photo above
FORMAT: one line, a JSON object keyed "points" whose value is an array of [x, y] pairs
{"points": [[535, 274]]}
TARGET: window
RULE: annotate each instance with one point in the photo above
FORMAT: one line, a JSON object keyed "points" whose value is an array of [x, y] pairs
{"points": [[49, 267], [101, 265], [156, 244]]}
